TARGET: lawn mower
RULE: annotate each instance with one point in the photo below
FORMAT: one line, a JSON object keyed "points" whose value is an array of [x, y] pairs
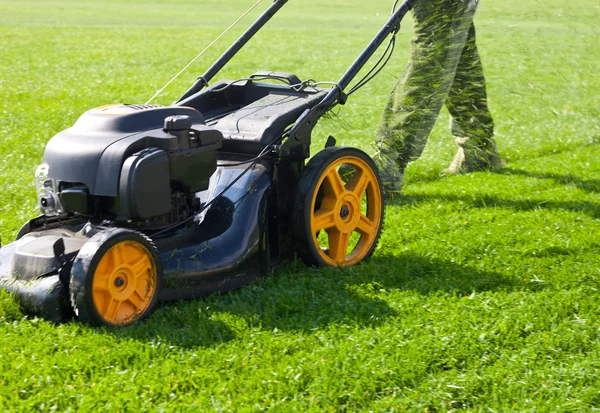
{"points": [[145, 203]]}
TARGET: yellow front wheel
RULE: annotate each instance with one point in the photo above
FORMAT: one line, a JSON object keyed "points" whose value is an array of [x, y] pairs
{"points": [[115, 278], [339, 208]]}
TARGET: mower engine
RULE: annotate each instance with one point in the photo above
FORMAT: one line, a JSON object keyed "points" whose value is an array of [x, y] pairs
{"points": [[137, 165]]}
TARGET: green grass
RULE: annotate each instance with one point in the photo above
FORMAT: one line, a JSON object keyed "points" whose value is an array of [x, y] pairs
{"points": [[482, 295]]}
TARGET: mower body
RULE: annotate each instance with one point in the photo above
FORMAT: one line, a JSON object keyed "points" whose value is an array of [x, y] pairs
{"points": [[146, 168], [142, 203]]}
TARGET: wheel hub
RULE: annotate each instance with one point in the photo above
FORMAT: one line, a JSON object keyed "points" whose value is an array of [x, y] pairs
{"points": [[349, 213], [344, 212], [123, 283]]}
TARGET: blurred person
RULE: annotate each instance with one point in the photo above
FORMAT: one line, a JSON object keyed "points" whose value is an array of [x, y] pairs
{"points": [[444, 68]]}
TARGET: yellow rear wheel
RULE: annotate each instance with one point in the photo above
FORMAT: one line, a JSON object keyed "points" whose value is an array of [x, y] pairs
{"points": [[339, 208], [115, 278]]}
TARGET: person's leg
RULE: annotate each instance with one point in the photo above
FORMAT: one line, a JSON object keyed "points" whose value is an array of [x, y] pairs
{"points": [[471, 122], [441, 28]]}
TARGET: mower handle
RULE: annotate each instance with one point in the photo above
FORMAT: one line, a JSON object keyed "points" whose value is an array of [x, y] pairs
{"points": [[300, 132], [203, 80], [288, 77]]}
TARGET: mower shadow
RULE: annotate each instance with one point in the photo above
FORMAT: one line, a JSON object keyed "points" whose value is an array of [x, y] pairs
{"points": [[182, 324], [297, 298], [306, 299]]}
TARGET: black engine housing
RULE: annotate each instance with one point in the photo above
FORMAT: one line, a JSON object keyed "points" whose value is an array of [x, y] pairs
{"points": [[131, 162]]}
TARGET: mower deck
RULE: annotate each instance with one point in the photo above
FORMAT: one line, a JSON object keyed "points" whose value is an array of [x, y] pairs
{"points": [[223, 248]]}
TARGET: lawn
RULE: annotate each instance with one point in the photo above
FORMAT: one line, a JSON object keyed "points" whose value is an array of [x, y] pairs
{"points": [[483, 294]]}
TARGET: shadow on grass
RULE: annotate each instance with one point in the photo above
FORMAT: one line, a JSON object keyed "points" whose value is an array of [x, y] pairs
{"points": [[307, 299], [184, 324], [427, 276], [486, 201], [588, 185]]}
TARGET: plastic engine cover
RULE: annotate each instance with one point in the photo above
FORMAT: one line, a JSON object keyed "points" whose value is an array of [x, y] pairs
{"points": [[144, 189]]}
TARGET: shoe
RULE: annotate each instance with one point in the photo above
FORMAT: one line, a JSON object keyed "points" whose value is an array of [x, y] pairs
{"points": [[471, 159]]}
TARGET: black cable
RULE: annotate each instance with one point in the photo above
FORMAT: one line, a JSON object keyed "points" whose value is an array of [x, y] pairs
{"points": [[385, 58], [378, 67], [252, 162], [256, 158], [375, 68], [262, 153], [206, 205]]}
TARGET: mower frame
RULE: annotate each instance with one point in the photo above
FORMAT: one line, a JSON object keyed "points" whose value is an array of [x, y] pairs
{"points": [[245, 225]]}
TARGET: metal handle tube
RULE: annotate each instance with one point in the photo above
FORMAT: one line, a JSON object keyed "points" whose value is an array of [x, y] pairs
{"points": [[311, 116], [392, 25], [232, 51]]}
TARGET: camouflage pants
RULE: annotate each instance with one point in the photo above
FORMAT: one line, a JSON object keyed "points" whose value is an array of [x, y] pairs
{"points": [[445, 68]]}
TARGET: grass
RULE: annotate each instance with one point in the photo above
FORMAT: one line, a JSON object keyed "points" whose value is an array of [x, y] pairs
{"points": [[482, 295]]}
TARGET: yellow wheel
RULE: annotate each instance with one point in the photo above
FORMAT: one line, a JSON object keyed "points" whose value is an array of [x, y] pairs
{"points": [[339, 208], [115, 278]]}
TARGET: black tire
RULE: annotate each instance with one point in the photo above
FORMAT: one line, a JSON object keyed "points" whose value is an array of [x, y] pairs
{"points": [[342, 208], [130, 290]]}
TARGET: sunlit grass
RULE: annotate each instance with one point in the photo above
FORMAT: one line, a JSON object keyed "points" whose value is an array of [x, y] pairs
{"points": [[482, 295]]}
